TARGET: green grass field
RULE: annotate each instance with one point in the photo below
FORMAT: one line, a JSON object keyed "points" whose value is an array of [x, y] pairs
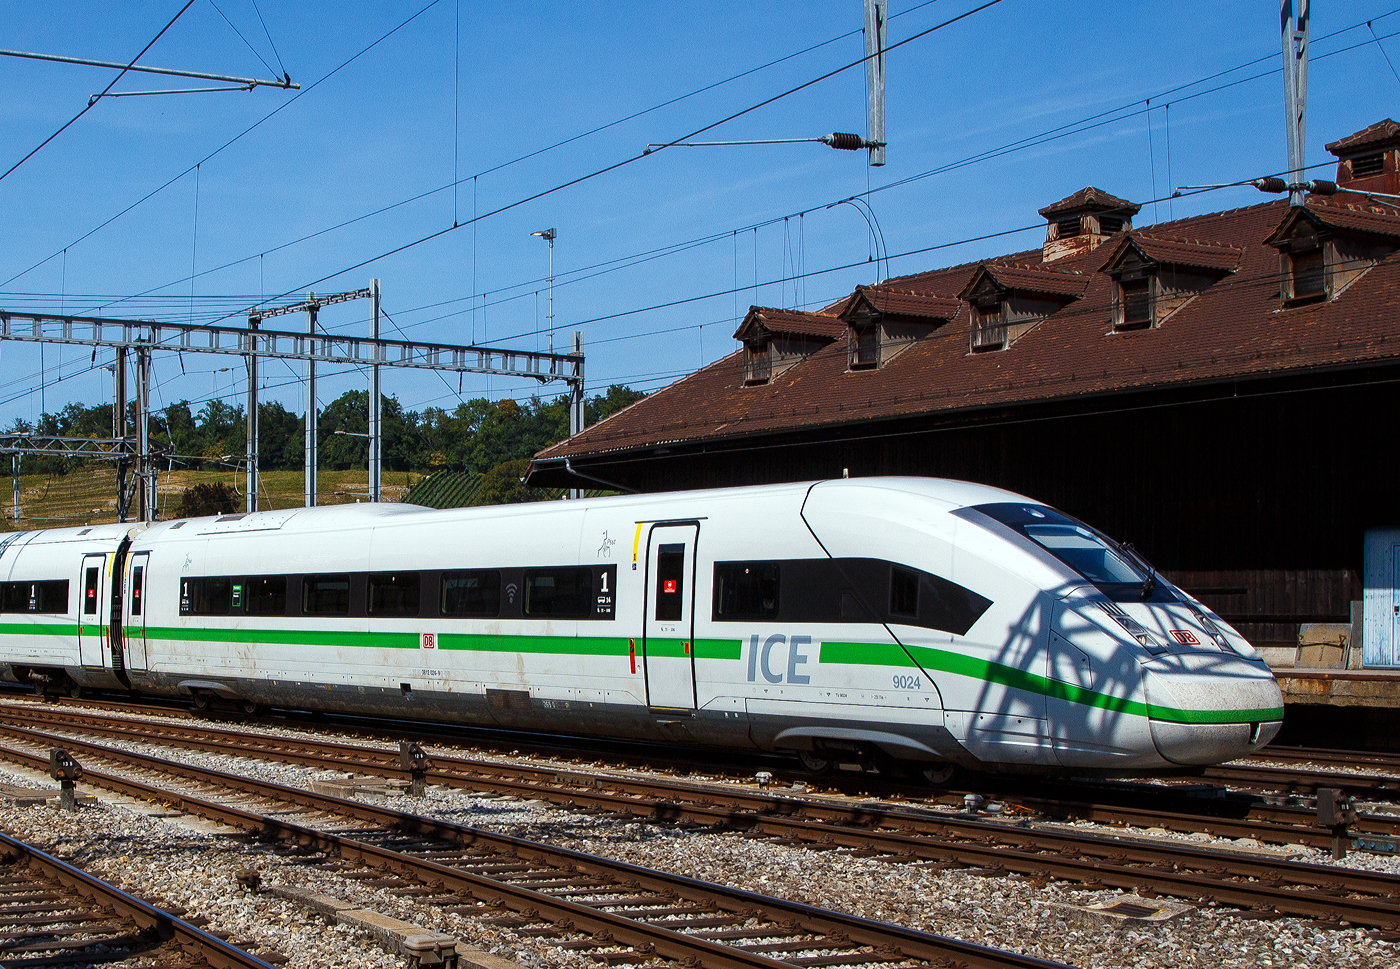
{"points": [[87, 496]]}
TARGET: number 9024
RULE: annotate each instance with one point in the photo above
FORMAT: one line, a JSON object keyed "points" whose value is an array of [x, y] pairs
{"points": [[903, 682]]}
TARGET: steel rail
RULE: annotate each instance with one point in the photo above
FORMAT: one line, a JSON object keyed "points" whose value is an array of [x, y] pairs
{"points": [[1276, 824], [1037, 852], [891, 943], [1326, 755], [1284, 779], [153, 921], [1291, 825]]}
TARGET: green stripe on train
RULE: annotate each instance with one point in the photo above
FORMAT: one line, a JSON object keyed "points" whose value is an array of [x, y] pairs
{"points": [[857, 654], [38, 629], [960, 664], [580, 645]]}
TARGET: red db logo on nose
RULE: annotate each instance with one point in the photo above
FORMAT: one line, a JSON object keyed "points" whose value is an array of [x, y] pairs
{"points": [[1185, 637]]}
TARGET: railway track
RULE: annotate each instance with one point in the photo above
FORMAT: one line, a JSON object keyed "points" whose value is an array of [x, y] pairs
{"points": [[1274, 824], [897, 834], [614, 911], [1373, 760], [52, 913]]}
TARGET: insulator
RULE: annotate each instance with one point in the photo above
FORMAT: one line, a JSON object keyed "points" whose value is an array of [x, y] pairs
{"points": [[844, 141], [1320, 186], [1271, 184]]}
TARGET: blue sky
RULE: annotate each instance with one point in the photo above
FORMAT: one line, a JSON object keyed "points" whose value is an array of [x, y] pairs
{"points": [[464, 88]]}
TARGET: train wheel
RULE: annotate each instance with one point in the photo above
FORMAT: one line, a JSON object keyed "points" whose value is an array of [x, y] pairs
{"points": [[250, 707], [813, 764], [75, 690], [940, 776], [202, 702]]}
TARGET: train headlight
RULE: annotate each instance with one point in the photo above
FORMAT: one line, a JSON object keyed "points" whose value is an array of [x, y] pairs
{"points": [[1134, 629], [1213, 631]]}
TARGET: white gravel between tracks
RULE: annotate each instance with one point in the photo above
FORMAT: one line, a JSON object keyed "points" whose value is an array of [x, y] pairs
{"points": [[1004, 913]]}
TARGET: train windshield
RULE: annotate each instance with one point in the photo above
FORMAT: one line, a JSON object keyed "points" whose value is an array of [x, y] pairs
{"points": [[1117, 570]]}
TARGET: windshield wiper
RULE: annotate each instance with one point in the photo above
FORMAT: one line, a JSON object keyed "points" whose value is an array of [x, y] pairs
{"points": [[1149, 584]]}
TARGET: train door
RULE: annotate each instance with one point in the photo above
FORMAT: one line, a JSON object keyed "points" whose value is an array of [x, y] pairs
{"points": [[93, 611], [136, 612], [668, 634]]}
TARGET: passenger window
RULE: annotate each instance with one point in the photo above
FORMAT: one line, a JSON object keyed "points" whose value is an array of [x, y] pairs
{"points": [[393, 594], [564, 593], [89, 593], [138, 574], [476, 593], [746, 591], [51, 596], [326, 595], [670, 582], [266, 595], [14, 596], [904, 593], [208, 596]]}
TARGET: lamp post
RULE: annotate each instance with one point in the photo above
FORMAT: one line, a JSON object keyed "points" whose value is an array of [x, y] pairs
{"points": [[548, 235]]}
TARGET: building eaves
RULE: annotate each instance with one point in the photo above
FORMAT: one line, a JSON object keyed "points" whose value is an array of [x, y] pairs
{"points": [[1178, 252], [1091, 199], [1377, 135]]}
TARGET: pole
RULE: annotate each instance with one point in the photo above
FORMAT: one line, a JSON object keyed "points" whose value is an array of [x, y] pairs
{"points": [[251, 481], [375, 446], [144, 476], [119, 429], [875, 16], [14, 467], [310, 461], [576, 414], [1295, 91], [551, 291]]}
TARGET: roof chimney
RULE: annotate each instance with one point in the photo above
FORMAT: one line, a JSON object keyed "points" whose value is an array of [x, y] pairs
{"points": [[1369, 160], [1083, 221]]}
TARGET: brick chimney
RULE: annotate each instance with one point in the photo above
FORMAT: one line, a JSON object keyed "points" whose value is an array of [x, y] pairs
{"points": [[1083, 221], [1369, 160]]}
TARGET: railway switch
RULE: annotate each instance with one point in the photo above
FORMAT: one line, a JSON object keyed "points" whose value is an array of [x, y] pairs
{"points": [[414, 760], [64, 769], [1336, 810]]}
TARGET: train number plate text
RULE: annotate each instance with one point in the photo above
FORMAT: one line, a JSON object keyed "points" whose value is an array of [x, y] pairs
{"points": [[902, 682]]}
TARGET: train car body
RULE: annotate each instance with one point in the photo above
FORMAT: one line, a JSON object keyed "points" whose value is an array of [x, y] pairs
{"points": [[934, 622]]}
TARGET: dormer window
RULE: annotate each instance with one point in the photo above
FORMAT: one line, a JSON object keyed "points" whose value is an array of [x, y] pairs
{"points": [[988, 324], [1135, 299], [865, 345], [1109, 224], [1067, 228], [758, 363], [1154, 277], [1309, 271]]}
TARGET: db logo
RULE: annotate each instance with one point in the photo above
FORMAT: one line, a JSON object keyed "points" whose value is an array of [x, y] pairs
{"points": [[1185, 637], [427, 640], [668, 586]]}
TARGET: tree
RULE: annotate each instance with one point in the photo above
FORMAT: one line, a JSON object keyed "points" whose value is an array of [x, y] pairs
{"points": [[216, 498], [502, 486]]}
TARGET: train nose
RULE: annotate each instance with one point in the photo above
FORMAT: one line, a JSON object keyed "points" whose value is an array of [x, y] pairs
{"points": [[1210, 708]]}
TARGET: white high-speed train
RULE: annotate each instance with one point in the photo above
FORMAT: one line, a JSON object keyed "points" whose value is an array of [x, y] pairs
{"points": [[935, 622]]}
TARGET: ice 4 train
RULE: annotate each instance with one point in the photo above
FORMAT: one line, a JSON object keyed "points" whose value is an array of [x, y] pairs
{"points": [[934, 622]]}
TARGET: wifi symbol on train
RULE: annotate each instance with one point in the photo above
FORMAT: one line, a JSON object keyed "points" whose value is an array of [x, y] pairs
{"points": [[511, 590]]}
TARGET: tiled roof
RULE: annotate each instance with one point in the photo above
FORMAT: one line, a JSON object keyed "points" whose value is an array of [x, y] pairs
{"points": [[1045, 282], [1376, 221], [794, 322], [1089, 199], [1376, 135], [1177, 252], [903, 303], [1237, 329]]}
